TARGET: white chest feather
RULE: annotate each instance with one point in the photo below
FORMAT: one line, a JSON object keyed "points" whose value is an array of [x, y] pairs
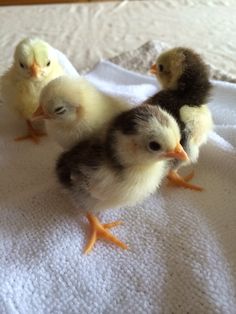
{"points": [[115, 190], [198, 122]]}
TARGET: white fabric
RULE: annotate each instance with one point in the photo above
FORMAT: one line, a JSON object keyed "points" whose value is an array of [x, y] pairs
{"points": [[182, 256], [66, 64]]}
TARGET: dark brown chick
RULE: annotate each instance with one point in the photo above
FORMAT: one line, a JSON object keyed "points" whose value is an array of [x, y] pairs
{"points": [[184, 78]]}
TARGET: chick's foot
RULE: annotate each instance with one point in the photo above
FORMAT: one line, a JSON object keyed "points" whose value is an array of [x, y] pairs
{"points": [[177, 180], [32, 135], [99, 230]]}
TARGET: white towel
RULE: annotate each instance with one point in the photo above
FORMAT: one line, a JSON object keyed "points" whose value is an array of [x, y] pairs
{"points": [[66, 64], [182, 244]]}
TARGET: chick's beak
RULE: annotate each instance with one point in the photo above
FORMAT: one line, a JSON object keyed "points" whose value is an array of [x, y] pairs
{"points": [[34, 70], [153, 69], [40, 114], [177, 153]]}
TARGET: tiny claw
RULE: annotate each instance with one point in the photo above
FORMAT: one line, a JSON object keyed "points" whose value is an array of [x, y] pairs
{"points": [[177, 180], [112, 224], [189, 176]]}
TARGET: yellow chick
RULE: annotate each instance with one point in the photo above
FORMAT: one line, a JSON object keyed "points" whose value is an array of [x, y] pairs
{"points": [[74, 109], [35, 64], [186, 89], [122, 168]]}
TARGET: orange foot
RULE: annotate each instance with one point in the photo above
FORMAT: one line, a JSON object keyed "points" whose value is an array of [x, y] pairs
{"points": [[177, 180], [33, 135], [99, 230]]}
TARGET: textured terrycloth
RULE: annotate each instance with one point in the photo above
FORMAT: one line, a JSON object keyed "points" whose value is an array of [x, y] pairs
{"points": [[182, 256]]}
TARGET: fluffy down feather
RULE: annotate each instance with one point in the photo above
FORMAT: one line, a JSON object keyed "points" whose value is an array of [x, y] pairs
{"points": [[75, 109]]}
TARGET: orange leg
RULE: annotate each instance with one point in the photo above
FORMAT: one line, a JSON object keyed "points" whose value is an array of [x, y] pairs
{"points": [[33, 135], [99, 230], [177, 180]]}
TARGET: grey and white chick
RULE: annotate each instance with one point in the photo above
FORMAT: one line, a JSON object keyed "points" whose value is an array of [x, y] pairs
{"points": [[121, 169], [186, 89], [75, 109]]}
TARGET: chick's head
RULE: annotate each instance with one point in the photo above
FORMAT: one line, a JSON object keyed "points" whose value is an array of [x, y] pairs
{"points": [[180, 68], [34, 59], [144, 135], [59, 101], [169, 67]]}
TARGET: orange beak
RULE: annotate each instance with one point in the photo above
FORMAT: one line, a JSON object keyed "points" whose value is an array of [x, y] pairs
{"points": [[34, 70], [40, 114], [153, 69], [177, 153]]}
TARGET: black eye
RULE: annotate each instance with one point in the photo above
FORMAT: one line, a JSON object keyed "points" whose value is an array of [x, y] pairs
{"points": [[161, 68], [22, 65], [49, 62], [60, 110], [154, 146]]}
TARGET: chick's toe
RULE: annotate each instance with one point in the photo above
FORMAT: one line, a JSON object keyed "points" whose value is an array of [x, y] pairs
{"points": [[178, 180], [99, 230], [32, 135]]}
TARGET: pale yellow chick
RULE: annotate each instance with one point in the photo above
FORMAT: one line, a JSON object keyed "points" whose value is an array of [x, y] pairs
{"points": [[75, 109], [35, 64]]}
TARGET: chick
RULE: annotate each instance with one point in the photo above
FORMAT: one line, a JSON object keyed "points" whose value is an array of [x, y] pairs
{"points": [[75, 109], [35, 64], [122, 168], [186, 88]]}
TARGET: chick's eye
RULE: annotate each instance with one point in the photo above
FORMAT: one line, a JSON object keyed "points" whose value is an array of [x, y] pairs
{"points": [[21, 65], [161, 67], [49, 62], [154, 146], [60, 110]]}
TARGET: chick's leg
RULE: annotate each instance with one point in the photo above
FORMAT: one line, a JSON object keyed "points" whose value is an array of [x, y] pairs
{"points": [[33, 135], [177, 180], [99, 230]]}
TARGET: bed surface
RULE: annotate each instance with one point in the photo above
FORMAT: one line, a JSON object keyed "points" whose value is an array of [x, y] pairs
{"points": [[90, 31]]}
